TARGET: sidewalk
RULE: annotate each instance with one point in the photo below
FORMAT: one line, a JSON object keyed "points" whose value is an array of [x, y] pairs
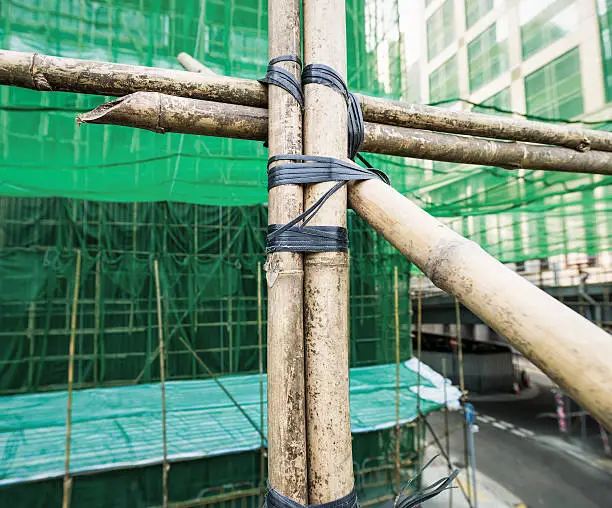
{"points": [[490, 493]]}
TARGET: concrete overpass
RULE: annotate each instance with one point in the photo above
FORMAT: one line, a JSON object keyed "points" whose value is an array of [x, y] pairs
{"points": [[439, 307]]}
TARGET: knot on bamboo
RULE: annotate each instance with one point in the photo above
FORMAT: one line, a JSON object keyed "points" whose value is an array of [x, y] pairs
{"points": [[39, 81]]}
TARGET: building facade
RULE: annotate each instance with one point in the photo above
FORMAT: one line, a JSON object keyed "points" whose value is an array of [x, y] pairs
{"points": [[545, 58]]}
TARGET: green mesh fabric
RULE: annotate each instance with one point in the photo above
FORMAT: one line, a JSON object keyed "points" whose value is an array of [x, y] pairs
{"points": [[121, 426], [125, 197], [209, 258], [43, 153]]}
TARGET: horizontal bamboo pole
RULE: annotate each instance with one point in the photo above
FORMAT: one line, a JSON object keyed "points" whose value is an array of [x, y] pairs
{"points": [[434, 118], [164, 113], [568, 348], [58, 74], [43, 72], [440, 146]]}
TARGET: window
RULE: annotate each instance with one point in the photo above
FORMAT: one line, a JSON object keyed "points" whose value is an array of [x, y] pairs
{"points": [[440, 30], [476, 9], [444, 81], [501, 100], [555, 90], [488, 55], [604, 10], [544, 22]]}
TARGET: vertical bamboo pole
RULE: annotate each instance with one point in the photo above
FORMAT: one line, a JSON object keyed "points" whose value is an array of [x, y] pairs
{"points": [[398, 486], [162, 376], [262, 451], [463, 395], [31, 339], [446, 432], [420, 429], [286, 419], [330, 464], [75, 301]]}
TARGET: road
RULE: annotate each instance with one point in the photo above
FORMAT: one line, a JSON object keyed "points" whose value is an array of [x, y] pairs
{"points": [[521, 450]]}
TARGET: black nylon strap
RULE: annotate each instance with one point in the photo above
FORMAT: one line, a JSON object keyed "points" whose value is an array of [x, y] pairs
{"points": [[325, 75], [307, 239], [313, 169], [303, 169], [316, 169], [282, 78], [274, 499]]}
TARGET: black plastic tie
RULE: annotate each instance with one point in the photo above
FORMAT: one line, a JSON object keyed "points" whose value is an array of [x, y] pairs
{"points": [[282, 78]]}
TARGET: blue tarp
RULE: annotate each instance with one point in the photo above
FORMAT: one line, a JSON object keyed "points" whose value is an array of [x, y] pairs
{"points": [[121, 427]]}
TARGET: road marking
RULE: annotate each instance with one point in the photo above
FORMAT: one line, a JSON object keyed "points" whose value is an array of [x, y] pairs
{"points": [[502, 425]]}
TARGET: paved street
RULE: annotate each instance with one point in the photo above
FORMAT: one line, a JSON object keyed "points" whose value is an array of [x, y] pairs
{"points": [[518, 447]]}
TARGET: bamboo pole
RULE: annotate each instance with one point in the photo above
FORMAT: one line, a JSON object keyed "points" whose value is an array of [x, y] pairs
{"points": [[471, 489], [192, 65], [569, 349], [162, 379], [75, 302], [165, 113], [330, 463], [398, 486], [262, 451], [49, 73], [422, 144], [446, 433], [287, 468]]}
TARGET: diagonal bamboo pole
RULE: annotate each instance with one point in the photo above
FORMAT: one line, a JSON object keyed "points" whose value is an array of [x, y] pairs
{"points": [[285, 276], [328, 426], [166, 113], [50, 73], [571, 350]]}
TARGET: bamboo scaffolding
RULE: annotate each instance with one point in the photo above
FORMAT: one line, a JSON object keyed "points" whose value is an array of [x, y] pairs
{"points": [[192, 65], [328, 425], [262, 451], [50, 73], [398, 483], [162, 379], [164, 113], [67, 489], [285, 277], [559, 341], [568, 348]]}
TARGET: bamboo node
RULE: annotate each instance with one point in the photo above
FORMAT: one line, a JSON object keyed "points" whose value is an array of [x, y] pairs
{"points": [[584, 145], [39, 81], [274, 269]]}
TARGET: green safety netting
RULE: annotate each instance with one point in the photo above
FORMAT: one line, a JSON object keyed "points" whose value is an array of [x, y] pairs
{"points": [[121, 427], [209, 258], [125, 197]]}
